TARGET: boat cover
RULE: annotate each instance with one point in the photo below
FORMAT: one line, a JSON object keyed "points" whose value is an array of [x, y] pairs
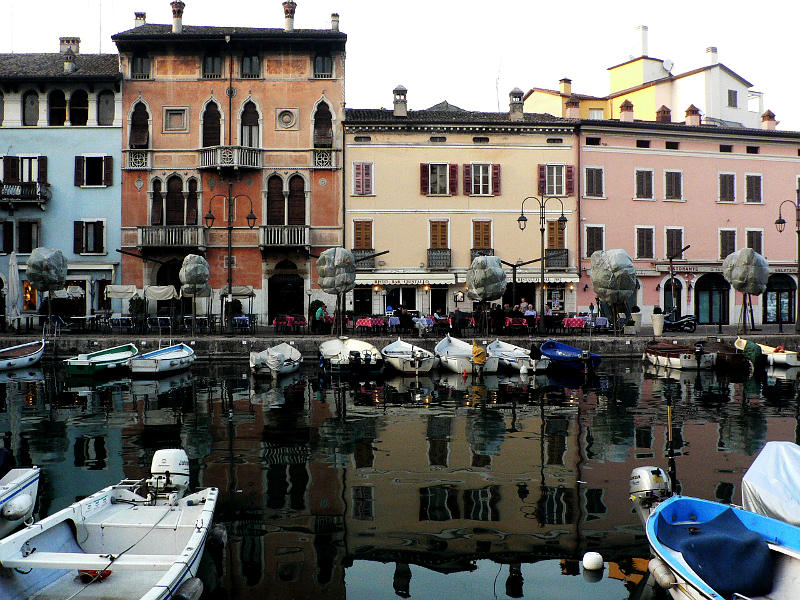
{"points": [[771, 486], [47, 269], [486, 279], [746, 270], [613, 275], [723, 552]]}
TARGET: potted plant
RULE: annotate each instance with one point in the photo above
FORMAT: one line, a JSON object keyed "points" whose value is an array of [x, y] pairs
{"points": [[636, 315], [658, 320]]}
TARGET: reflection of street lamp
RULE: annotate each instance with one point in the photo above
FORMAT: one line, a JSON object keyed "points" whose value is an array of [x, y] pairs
{"points": [[522, 221], [780, 225], [209, 223]]}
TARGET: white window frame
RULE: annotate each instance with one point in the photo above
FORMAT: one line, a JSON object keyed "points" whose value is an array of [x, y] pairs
{"points": [[488, 177], [449, 231], [31, 161], [558, 170], [472, 232], [761, 188], [666, 245], [164, 120], [446, 179], [758, 230], [652, 197], [372, 178], [593, 114], [719, 240], [103, 169], [586, 181], [719, 198], [652, 237], [680, 197], [586, 236], [105, 235]]}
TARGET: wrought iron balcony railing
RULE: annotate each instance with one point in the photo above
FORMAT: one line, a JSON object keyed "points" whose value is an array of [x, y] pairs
{"points": [[26, 192], [481, 252], [556, 258], [439, 258], [360, 253]]}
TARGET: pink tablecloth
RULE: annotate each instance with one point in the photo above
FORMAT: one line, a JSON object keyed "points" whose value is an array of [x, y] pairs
{"points": [[370, 322], [573, 322]]}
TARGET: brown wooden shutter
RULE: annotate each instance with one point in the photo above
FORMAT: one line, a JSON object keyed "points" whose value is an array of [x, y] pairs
{"points": [[8, 237], [211, 127], [727, 243], [555, 235], [157, 208], [358, 178], [108, 170], [424, 179], [79, 170], [77, 237], [175, 201], [11, 169], [542, 179], [98, 237], [644, 243], [481, 234], [439, 234], [453, 182], [495, 180], [594, 239], [367, 186], [275, 205], [42, 167], [467, 180], [362, 235], [570, 177], [297, 201]]}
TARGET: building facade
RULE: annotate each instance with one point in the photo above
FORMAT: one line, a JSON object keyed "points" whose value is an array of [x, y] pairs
{"points": [[232, 149]]}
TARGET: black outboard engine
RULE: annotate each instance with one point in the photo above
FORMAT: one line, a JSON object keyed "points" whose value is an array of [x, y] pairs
{"points": [[699, 350], [355, 357]]}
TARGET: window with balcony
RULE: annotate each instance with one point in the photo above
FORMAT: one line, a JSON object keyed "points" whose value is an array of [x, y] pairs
{"points": [[30, 109], [156, 204], [192, 198], [727, 187], [644, 184], [140, 67], [438, 235], [594, 182], [482, 236], [89, 237], [727, 242], [297, 201], [94, 171], [276, 213], [27, 236], [323, 66], [140, 126], [250, 137], [212, 67], [251, 67], [362, 235], [594, 238], [211, 125], [644, 242], [56, 108], [105, 107], [175, 202], [752, 188], [79, 108], [481, 179], [362, 179]]}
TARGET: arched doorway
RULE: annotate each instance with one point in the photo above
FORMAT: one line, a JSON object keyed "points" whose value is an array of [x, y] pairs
{"points": [[779, 299], [285, 291], [672, 295], [169, 274], [711, 299]]}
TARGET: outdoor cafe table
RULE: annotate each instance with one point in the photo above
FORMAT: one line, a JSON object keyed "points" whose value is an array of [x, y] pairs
{"points": [[573, 322], [370, 322]]}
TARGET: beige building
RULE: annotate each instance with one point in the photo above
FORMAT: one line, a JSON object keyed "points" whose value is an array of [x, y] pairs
{"points": [[438, 187]]}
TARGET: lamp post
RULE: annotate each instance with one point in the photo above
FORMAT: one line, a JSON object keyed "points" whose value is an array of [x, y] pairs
{"points": [[522, 222], [780, 225], [209, 222]]}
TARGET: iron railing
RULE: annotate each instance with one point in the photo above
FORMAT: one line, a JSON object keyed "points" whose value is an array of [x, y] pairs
{"points": [[556, 258], [438, 258], [160, 236], [238, 157], [284, 235], [360, 253]]}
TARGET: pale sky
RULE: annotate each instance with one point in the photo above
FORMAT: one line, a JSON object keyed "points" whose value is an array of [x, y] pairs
{"points": [[469, 52]]}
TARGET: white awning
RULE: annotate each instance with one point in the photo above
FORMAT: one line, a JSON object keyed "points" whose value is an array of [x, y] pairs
{"points": [[160, 292], [405, 278], [73, 291], [239, 291], [120, 291], [548, 278]]}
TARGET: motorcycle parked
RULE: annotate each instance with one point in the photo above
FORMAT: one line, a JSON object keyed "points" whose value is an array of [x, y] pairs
{"points": [[683, 323]]}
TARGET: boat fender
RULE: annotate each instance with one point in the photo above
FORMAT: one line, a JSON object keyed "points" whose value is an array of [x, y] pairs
{"points": [[592, 561], [664, 577], [16, 508], [88, 576], [191, 589]]}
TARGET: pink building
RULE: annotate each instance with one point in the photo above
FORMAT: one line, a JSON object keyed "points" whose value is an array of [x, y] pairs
{"points": [[653, 188]]}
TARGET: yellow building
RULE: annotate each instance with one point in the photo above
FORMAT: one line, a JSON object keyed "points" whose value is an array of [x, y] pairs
{"points": [[438, 187]]}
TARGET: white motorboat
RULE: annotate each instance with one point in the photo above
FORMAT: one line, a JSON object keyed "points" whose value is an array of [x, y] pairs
{"points": [[164, 360], [408, 358], [140, 539], [457, 356], [777, 356], [276, 360], [516, 357], [349, 354], [18, 490], [678, 356], [21, 355]]}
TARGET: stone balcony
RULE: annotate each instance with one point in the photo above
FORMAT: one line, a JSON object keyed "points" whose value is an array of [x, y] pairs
{"points": [[171, 236], [230, 157], [272, 236]]}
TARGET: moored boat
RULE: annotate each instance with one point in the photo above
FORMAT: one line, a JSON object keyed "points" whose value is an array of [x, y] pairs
{"points": [[516, 357], [101, 361], [276, 360], [142, 539], [776, 355], [564, 355], [18, 490], [164, 360], [678, 356], [349, 354], [727, 357], [408, 358], [21, 355], [458, 356]]}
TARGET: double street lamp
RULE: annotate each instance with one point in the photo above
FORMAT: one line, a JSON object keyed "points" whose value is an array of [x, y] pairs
{"points": [[780, 225], [209, 222], [522, 222]]}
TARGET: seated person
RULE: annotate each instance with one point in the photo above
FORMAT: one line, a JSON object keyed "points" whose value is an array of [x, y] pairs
{"points": [[439, 315], [406, 321], [516, 313]]}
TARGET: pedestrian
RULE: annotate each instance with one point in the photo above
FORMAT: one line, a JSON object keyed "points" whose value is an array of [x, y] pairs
{"points": [[523, 305]]}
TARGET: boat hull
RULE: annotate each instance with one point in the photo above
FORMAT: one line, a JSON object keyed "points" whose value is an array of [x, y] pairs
{"points": [[350, 355], [163, 361], [276, 361], [100, 362], [569, 357], [17, 483], [682, 361], [23, 355], [408, 358]]}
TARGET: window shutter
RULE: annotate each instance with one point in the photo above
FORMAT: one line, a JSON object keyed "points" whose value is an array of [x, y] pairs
{"points": [[98, 237], [157, 209], [481, 234], [275, 201], [467, 180], [453, 182], [438, 234], [367, 186], [42, 174], [11, 169], [79, 171], [570, 177], [77, 237], [108, 170], [8, 237], [358, 178], [424, 179], [495, 180], [542, 179]]}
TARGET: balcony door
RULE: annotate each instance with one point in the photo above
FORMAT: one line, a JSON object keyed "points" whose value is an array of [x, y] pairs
{"points": [[175, 203], [297, 201]]}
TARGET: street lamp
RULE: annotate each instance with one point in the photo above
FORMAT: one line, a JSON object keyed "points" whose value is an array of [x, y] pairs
{"points": [[209, 223], [522, 222], [780, 225]]}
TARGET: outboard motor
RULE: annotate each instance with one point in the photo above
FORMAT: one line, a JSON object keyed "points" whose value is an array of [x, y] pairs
{"points": [[698, 353], [169, 471], [648, 487], [355, 357]]}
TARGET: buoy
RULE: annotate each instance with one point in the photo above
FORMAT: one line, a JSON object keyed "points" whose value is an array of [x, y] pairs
{"points": [[191, 589], [464, 374], [593, 561], [664, 577], [16, 508]]}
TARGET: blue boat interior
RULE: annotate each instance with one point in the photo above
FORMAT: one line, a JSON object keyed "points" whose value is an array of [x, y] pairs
{"points": [[723, 552]]}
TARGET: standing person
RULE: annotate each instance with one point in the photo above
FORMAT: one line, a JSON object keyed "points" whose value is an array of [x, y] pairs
{"points": [[523, 305], [319, 319]]}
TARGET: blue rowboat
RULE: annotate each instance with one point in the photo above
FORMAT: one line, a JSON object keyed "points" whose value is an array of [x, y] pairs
{"points": [[564, 355]]}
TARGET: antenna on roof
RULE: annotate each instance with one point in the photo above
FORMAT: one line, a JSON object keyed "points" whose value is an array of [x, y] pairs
{"points": [[100, 26], [497, 85]]}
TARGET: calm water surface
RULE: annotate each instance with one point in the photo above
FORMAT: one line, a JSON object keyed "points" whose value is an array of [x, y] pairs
{"points": [[436, 488]]}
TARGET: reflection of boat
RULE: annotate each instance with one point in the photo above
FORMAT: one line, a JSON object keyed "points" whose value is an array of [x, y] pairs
{"points": [[788, 374], [18, 489], [403, 385], [516, 357], [678, 356], [349, 354], [704, 379], [460, 383], [23, 374], [22, 355], [277, 391], [101, 361], [727, 357], [276, 360], [408, 358], [162, 385], [776, 355], [145, 536], [164, 360], [564, 355], [457, 356]]}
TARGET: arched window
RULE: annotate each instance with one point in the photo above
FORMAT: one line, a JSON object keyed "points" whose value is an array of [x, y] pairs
{"points": [[779, 299], [250, 126], [191, 203], [711, 299], [175, 202], [211, 127], [105, 108], [323, 128], [140, 121], [157, 208], [297, 201], [79, 108], [30, 109], [275, 204], [56, 108]]}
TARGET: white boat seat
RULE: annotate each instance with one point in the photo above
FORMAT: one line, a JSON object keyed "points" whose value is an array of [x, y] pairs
{"points": [[76, 560]]}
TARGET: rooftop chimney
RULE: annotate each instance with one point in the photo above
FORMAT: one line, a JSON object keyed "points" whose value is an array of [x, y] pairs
{"points": [[768, 121], [663, 115], [69, 43], [643, 30], [693, 116], [288, 12], [335, 21], [69, 61], [400, 104], [140, 19], [177, 15], [711, 52], [565, 86], [515, 105], [626, 111], [573, 108]]}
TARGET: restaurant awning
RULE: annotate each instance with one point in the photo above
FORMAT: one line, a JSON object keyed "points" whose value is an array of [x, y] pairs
{"points": [[405, 278], [160, 292], [120, 291], [239, 291]]}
